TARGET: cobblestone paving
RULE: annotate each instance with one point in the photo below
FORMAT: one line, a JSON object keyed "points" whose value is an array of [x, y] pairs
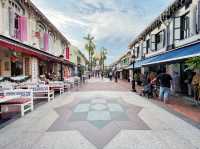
{"points": [[100, 120]]}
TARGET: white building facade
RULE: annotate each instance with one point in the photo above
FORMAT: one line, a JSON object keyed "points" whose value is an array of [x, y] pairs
{"points": [[170, 40]]}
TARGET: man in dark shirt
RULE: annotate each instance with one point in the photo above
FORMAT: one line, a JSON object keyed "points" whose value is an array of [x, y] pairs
{"points": [[165, 85]]}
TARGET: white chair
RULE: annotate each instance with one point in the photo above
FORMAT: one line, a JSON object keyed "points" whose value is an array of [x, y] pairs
{"points": [[42, 92], [57, 86], [24, 99]]}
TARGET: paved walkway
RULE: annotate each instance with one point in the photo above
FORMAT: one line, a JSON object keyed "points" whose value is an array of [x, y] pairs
{"points": [[93, 118]]}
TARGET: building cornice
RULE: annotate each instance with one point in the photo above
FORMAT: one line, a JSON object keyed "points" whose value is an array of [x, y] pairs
{"points": [[164, 16]]}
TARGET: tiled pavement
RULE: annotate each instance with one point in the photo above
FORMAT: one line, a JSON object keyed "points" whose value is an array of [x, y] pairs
{"points": [[100, 119], [181, 106]]}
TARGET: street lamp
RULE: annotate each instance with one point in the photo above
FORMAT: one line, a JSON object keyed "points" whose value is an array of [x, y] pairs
{"points": [[61, 57], [133, 62]]}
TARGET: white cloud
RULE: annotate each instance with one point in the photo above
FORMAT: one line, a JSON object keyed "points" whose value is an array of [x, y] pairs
{"points": [[113, 22]]}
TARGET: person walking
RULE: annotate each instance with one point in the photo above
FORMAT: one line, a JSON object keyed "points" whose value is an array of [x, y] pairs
{"points": [[165, 85], [102, 75], [115, 74], [196, 86], [110, 75]]}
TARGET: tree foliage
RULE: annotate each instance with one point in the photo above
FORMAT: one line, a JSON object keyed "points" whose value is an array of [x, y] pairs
{"points": [[193, 63], [90, 48]]}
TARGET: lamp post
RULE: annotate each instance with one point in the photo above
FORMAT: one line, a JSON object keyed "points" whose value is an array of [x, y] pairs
{"points": [[61, 57], [133, 62]]}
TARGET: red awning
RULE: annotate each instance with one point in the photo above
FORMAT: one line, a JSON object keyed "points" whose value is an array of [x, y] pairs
{"points": [[26, 50], [17, 46]]}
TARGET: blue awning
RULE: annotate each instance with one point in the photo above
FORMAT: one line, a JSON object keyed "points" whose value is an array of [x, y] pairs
{"points": [[140, 63], [175, 55]]}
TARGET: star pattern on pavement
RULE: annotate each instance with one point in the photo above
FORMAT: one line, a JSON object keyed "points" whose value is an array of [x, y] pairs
{"points": [[99, 119]]}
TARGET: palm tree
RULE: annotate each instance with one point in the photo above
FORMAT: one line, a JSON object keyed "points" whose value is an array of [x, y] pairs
{"points": [[90, 47], [103, 55]]}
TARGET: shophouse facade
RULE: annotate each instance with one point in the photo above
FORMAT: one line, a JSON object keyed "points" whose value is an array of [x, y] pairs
{"points": [[30, 45], [79, 59], [123, 69], [169, 41]]}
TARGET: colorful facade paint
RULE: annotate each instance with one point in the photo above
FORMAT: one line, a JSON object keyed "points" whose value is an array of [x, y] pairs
{"points": [[33, 39]]}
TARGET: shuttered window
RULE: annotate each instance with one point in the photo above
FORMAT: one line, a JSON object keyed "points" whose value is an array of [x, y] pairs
{"points": [[153, 42], [11, 22], [198, 17], [185, 26], [147, 46], [177, 28]]}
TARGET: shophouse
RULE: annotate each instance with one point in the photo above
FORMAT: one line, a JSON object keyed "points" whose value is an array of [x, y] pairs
{"points": [[78, 59], [169, 41], [30, 45], [123, 69]]}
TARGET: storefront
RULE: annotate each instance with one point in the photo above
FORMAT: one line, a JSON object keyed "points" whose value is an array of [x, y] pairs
{"points": [[18, 59], [14, 63], [174, 63], [125, 74]]}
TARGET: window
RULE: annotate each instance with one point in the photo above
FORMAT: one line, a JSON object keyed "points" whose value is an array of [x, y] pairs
{"points": [[147, 46], [17, 67], [159, 41], [6, 66], [137, 51], [185, 28], [41, 30], [17, 7], [17, 23], [181, 27]]}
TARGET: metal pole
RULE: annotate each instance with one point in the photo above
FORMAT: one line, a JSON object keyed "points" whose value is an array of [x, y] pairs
{"points": [[133, 80], [61, 71]]}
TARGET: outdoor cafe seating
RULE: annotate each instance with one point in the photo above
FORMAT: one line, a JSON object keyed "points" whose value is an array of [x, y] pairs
{"points": [[57, 86], [17, 100], [41, 91]]}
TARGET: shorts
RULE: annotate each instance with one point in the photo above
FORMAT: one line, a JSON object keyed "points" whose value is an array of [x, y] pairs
{"points": [[164, 93]]}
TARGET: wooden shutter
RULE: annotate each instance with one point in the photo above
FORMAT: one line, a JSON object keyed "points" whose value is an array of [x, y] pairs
{"points": [[198, 17], [164, 37], [67, 53], [144, 47], [177, 28], [23, 28], [51, 42], [41, 40], [171, 32], [46, 41], [11, 22], [153, 42]]}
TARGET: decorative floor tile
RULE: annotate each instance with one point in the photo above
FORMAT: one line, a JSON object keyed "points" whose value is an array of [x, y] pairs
{"points": [[115, 108], [82, 108], [99, 107], [99, 101], [99, 119], [98, 116]]}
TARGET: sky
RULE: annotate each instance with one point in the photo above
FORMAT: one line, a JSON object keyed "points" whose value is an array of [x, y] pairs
{"points": [[113, 23]]}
